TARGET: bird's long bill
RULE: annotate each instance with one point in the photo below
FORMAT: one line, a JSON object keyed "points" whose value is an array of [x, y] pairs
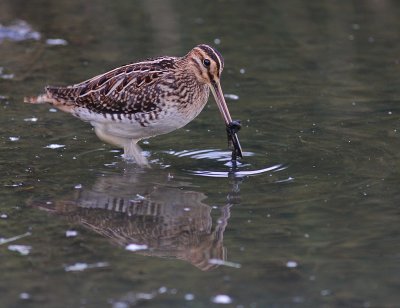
{"points": [[223, 108]]}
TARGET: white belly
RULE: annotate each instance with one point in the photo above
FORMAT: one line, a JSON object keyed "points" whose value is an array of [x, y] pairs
{"points": [[141, 125]]}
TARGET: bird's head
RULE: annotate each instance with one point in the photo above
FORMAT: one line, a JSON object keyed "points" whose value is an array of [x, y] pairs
{"points": [[207, 65]]}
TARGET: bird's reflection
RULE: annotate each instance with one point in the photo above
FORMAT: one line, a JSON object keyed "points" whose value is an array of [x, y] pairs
{"points": [[148, 207]]}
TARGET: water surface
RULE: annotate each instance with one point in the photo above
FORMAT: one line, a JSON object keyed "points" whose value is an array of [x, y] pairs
{"points": [[309, 219]]}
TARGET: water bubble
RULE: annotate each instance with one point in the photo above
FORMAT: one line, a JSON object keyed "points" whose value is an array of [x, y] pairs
{"points": [[79, 266], [5, 76], [162, 290], [225, 263], [325, 292], [147, 296], [71, 233], [24, 296], [140, 197], [136, 247], [298, 299], [19, 30], [173, 291], [189, 297], [291, 264], [120, 305], [22, 249], [33, 119], [221, 299], [56, 42], [54, 146], [217, 41], [233, 97]]}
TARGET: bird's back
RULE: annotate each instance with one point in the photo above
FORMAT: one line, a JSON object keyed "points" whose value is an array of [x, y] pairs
{"points": [[124, 90]]}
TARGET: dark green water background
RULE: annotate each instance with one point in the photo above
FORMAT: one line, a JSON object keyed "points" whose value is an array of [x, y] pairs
{"points": [[318, 87]]}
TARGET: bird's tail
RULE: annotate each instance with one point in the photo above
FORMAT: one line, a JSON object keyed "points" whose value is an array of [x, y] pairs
{"points": [[51, 97], [40, 99]]}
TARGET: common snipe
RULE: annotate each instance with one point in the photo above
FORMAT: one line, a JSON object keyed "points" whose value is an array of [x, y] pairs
{"points": [[146, 99]]}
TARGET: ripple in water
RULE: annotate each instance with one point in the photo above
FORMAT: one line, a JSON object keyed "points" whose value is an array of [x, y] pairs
{"points": [[240, 170]]}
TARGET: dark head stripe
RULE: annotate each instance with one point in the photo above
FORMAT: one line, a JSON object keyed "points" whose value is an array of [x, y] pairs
{"points": [[214, 55]]}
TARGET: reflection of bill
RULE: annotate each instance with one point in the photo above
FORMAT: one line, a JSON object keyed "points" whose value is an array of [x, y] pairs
{"points": [[169, 221]]}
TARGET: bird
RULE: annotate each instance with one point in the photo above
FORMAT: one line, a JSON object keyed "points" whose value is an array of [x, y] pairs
{"points": [[146, 99]]}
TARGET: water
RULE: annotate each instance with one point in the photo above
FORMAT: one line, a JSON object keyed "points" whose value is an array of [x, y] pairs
{"points": [[309, 218]]}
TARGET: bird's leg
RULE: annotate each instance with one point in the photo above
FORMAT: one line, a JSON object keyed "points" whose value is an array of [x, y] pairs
{"points": [[232, 129], [132, 151]]}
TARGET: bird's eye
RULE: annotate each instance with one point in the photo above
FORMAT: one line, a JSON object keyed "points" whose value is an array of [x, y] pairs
{"points": [[206, 62]]}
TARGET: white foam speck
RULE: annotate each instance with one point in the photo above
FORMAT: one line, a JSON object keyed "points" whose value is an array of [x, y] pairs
{"points": [[3, 216], [189, 297], [147, 296], [223, 262], [53, 110], [5, 76], [33, 119], [19, 30], [54, 146], [222, 299], [162, 290], [56, 42], [140, 197], [291, 264], [71, 233], [325, 292], [233, 97], [136, 247], [78, 186], [76, 267], [14, 238], [79, 267], [24, 295], [22, 249], [120, 305], [13, 138]]}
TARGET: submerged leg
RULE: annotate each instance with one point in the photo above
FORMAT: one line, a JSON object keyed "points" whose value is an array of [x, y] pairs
{"points": [[131, 150]]}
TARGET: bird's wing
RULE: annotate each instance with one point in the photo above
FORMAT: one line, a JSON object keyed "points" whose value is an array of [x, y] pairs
{"points": [[127, 89]]}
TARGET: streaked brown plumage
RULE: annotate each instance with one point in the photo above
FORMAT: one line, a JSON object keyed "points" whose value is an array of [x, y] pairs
{"points": [[145, 99]]}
